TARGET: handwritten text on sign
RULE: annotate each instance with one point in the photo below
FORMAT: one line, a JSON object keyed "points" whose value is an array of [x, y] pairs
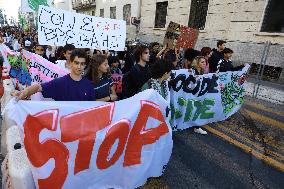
{"points": [[197, 100], [58, 27], [117, 82]]}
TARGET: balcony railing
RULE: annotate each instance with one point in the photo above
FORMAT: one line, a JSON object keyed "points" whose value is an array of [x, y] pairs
{"points": [[83, 4]]}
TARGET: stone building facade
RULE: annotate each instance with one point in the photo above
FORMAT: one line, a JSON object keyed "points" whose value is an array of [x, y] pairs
{"points": [[63, 4], [123, 9], [245, 24], [84, 6]]}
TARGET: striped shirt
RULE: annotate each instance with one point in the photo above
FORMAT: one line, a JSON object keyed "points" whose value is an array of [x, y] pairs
{"points": [[103, 87]]}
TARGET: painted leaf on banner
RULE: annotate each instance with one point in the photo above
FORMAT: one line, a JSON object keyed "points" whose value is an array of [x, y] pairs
{"points": [[34, 4]]}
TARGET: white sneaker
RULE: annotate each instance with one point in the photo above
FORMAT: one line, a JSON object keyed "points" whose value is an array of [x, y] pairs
{"points": [[200, 131]]}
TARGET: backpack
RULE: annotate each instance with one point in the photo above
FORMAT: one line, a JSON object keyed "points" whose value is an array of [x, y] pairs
{"points": [[128, 88]]}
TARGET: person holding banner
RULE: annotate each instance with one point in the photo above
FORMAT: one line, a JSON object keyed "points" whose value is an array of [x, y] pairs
{"points": [[71, 87], [216, 56], [198, 65], [198, 68], [139, 73], [99, 74], [160, 72], [226, 64]]}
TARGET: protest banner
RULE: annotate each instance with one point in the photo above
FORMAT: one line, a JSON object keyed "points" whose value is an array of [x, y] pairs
{"points": [[95, 144], [172, 34], [58, 27], [117, 82], [180, 36], [5, 51], [33, 5], [188, 37], [28, 68], [202, 99]]}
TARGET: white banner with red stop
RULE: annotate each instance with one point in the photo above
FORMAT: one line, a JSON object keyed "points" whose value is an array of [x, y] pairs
{"points": [[95, 144]]}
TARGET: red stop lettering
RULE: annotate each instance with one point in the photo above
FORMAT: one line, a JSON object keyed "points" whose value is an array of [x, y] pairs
{"points": [[83, 126], [39, 153], [140, 137], [120, 131]]}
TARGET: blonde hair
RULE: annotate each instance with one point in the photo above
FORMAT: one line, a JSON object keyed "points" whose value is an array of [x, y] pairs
{"points": [[196, 61]]}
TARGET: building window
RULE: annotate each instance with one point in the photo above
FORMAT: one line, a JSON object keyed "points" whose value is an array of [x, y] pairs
{"points": [[198, 13], [93, 13], [127, 13], [161, 14], [113, 12], [102, 13], [273, 17]]}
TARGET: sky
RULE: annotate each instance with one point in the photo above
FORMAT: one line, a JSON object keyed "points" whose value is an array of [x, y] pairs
{"points": [[11, 7]]}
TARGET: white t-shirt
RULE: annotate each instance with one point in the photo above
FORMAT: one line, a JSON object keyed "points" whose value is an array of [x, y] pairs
{"points": [[61, 64]]}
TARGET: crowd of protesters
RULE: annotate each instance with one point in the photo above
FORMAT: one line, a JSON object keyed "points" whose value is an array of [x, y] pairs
{"points": [[143, 66]]}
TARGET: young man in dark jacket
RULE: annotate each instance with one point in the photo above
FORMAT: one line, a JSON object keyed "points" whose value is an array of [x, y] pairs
{"points": [[226, 64], [216, 56], [139, 73]]}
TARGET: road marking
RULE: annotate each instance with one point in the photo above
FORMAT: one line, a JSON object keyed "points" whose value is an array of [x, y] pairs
{"points": [[257, 146], [262, 107], [248, 149], [264, 119]]}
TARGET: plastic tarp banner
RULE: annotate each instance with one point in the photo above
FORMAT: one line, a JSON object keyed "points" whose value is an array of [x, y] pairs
{"points": [[200, 99]]}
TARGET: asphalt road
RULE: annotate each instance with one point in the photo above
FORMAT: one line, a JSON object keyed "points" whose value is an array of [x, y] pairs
{"points": [[245, 151]]}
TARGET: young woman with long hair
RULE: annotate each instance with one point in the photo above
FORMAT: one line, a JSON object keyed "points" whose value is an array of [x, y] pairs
{"points": [[99, 74]]}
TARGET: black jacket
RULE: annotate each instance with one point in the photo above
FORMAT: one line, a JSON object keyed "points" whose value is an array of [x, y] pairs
{"points": [[214, 59], [226, 66]]}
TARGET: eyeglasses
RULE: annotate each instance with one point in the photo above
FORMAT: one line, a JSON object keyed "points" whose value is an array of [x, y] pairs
{"points": [[39, 49]]}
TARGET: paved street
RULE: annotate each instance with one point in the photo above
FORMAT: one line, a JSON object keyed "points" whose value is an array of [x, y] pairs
{"points": [[245, 151]]}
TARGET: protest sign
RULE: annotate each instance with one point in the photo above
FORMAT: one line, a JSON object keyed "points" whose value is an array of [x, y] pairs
{"points": [[28, 68], [180, 36], [188, 37], [40, 69], [117, 82], [198, 100], [5, 51], [33, 5], [172, 34], [58, 27], [95, 144]]}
